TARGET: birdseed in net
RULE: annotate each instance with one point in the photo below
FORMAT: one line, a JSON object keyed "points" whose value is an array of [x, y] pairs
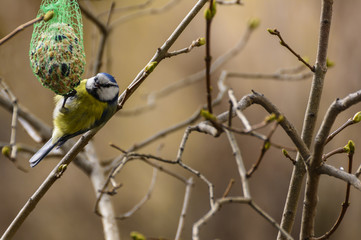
{"points": [[57, 55]]}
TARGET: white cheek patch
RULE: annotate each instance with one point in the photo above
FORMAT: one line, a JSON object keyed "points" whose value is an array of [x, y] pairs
{"points": [[90, 83], [107, 93]]}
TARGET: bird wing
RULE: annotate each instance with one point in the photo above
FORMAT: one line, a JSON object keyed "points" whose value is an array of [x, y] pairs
{"points": [[42, 152]]}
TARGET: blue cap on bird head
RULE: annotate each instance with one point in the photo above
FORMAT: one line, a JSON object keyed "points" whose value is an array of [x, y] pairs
{"points": [[110, 77]]}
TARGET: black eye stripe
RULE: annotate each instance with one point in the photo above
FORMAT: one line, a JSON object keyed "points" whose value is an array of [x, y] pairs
{"points": [[106, 85]]}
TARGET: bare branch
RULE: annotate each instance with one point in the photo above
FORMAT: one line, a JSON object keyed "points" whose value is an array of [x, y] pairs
{"points": [[129, 8], [45, 186], [160, 54], [294, 192], [184, 208], [104, 30], [142, 11], [279, 76], [238, 111], [346, 202], [349, 122], [20, 28], [340, 174], [198, 76], [270, 219], [213, 211], [283, 43], [241, 168], [143, 200], [241, 200], [14, 119], [265, 146], [230, 2], [196, 43], [311, 188], [23, 113]]}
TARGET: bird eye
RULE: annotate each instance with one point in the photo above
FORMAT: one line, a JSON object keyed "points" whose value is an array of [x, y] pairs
{"points": [[96, 82]]}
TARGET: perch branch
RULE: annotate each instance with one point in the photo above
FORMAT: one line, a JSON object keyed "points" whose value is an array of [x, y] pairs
{"points": [[45, 186]]}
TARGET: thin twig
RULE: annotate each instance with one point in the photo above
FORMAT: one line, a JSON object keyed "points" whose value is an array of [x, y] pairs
{"points": [[181, 148], [160, 53], [230, 2], [358, 172], [193, 118], [209, 14], [344, 205], [239, 160], [270, 220], [128, 156], [186, 199], [273, 76], [283, 43], [349, 122], [144, 11], [20, 28], [241, 200], [143, 200], [40, 127], [14, 119], [239, 113], [285, 153], [228, 188], [129, 8], [198, 76], [212, 211], [195, 43], [102, 27], [104, 30], [264, 149], [333, 152]]}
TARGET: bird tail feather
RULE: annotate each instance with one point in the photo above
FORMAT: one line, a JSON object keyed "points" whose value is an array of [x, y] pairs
{"points": [[42, 152]]}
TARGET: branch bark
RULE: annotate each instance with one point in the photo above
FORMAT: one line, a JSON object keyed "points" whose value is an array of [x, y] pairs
{"points": [[45, 186], [312, 110], [313, 177]]}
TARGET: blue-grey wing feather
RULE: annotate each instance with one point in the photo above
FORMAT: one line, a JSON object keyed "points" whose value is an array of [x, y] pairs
{"points": [[43, 151]]}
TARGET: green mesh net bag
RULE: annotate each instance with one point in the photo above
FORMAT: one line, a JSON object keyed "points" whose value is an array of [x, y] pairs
{"points": [[57, 55]]}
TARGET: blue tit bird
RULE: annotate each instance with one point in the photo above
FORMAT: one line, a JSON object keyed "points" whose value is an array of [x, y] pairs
{"points": [[94, 102]]}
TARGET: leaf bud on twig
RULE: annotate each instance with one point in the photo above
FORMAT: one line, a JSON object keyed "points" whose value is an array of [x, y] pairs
{"points": [[150, 67], [350, 147], [253, 23], [137, 236], [6, 151], [207, 115], [329, 63], [357, 117]]}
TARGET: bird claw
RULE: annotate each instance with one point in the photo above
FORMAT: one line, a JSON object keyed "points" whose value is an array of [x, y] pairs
{"points": [[63, 109]]}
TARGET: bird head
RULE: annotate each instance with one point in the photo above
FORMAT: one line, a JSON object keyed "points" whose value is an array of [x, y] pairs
{"points": [[103, 87]]}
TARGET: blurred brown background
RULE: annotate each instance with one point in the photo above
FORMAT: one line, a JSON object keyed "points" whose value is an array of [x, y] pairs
{"points": [[66, 212]]}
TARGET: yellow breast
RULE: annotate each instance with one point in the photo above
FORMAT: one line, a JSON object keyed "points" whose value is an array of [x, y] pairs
{"points": [[82, 112]]}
